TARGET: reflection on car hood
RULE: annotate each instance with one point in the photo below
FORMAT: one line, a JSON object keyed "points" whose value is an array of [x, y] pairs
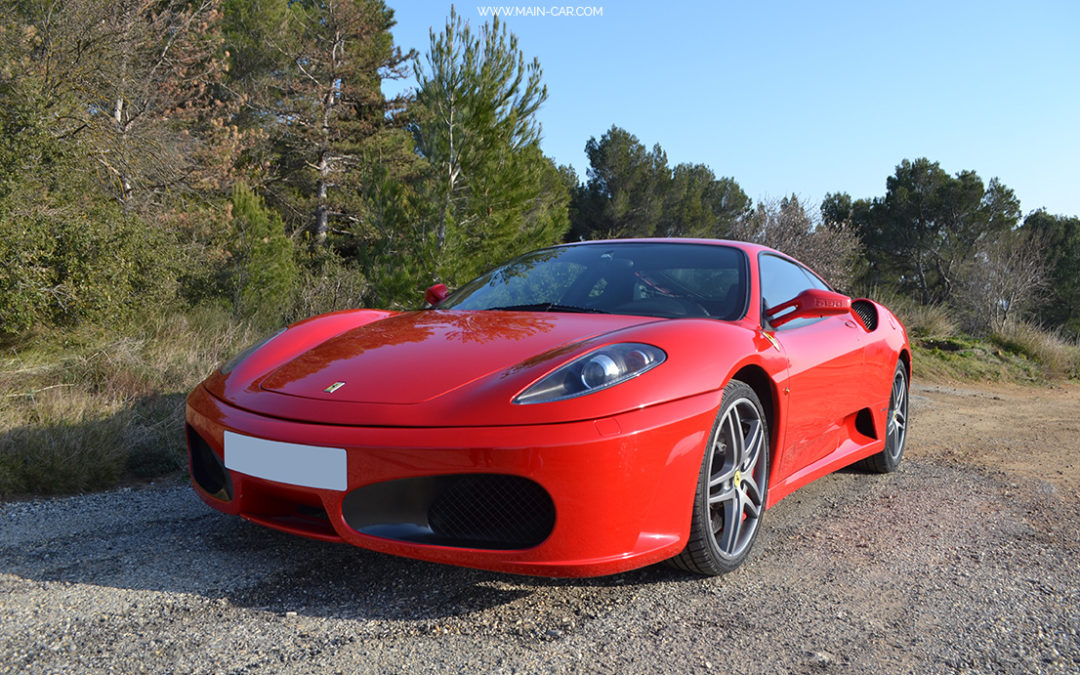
{"points": [[418, 356]]}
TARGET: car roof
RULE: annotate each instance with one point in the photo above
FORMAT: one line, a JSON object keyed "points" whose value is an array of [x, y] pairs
{"points": [[749, 247]]}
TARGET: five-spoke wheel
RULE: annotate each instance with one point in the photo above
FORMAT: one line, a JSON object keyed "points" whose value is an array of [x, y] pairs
{"points": [[730, 498]]}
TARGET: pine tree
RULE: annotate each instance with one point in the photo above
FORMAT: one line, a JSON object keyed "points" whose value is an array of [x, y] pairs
{"points": [[263, 272], [495, 193], [631, 192], [309, 74]]}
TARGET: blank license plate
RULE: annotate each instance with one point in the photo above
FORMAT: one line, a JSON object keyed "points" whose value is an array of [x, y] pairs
{"points": [[312, 466]]}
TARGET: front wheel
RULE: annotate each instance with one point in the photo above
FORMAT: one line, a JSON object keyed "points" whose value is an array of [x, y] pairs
{"points": [[732, 486]]}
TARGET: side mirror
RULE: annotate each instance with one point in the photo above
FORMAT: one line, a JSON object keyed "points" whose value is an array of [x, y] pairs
{"points": [[813, 302], [436, 294]]}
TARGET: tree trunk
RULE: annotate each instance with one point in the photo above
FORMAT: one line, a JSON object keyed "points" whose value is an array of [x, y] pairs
{"points": [[451, 181], [920, 268], [322, 210]]}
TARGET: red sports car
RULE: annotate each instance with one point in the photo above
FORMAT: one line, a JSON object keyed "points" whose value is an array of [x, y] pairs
{"points": [[581, 410]]}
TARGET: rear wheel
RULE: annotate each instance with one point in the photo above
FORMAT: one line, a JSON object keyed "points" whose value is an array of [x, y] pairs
{"points": [[896, 422], [732, 486]]}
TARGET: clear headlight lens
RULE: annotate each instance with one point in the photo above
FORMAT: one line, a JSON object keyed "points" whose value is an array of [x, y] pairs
{"points": [[599, 369], [227, 367]]}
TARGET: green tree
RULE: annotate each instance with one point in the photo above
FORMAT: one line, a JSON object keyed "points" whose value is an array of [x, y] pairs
{"points": [[625, 191], [262, 271], [475, 124], [837, 208], [308, 77], [929, 225], [632, 192], [1062, 237], [697, 204], [395, 253]]}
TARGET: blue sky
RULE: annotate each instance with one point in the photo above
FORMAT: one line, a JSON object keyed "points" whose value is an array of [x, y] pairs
{"points": [[809, 97]]}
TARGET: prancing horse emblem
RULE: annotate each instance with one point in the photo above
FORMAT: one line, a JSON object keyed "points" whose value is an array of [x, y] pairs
{"points": [[334, 387]]}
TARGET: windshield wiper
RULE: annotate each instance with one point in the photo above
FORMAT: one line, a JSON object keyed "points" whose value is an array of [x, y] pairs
{"points": [[548, 307]]}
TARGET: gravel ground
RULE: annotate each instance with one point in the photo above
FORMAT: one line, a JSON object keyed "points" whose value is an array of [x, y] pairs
{"points": [[946, 565]]}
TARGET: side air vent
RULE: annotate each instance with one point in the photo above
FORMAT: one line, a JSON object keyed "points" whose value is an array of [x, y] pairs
{"points": [[867, 313], [864, 423]]}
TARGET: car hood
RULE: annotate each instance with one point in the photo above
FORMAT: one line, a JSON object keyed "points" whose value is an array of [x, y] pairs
{"points": [[416, 357], [456, 368]]}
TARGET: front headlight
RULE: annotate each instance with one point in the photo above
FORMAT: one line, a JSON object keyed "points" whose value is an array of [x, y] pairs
{"points": [[594, 371], [227, 367]]}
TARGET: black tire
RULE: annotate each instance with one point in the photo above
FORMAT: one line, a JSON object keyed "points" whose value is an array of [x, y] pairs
{"points": [[889, 458], [732, 486]]}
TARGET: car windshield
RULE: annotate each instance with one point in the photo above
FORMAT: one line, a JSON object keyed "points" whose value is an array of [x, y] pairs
{"points": [[647, 279]]}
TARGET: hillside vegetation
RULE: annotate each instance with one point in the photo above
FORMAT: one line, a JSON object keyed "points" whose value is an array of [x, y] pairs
{"points": [[178, 178]]}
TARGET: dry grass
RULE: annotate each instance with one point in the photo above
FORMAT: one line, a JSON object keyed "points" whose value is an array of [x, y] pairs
{"points": [[921, 321], [1059, 356], [969, 360], [1017, 352], [83, 411]]}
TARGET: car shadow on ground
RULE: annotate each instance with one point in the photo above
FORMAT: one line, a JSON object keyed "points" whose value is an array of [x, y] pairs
{"points": [[346, 582], [164, 539]]}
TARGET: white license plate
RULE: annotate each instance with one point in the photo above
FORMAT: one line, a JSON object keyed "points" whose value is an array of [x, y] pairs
{"points": [[312, 466]]}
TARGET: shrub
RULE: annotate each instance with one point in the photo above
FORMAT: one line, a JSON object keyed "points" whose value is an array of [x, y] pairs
{"points": [[80, 262], [329, 285]]}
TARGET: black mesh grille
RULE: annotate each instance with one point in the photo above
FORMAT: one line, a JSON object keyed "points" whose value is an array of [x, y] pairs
{"points": [[867, 313], [493, 508], [493, 511]]}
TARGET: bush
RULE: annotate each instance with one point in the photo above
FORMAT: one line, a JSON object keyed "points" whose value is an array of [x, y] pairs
{"points": [[84, 262], [329, 285]]}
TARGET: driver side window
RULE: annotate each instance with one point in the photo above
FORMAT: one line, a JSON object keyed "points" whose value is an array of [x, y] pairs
{"points": [[782, 280]]}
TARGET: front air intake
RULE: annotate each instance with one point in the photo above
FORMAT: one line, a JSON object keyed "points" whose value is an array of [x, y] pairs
{"points": [[490, 511], [206, 468]]}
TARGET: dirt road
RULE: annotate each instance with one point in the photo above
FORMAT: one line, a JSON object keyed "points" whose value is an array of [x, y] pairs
{"points": [[966, 559]]}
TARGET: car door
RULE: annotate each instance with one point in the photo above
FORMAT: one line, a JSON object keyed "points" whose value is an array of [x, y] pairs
{"points": [[825, 358]]}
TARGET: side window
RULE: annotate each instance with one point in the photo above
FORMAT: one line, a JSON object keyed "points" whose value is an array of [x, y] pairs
{"points": [[782, 280]]}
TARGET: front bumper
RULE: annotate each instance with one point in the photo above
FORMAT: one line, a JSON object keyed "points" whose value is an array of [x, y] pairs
{"points": [[621, 488]]}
